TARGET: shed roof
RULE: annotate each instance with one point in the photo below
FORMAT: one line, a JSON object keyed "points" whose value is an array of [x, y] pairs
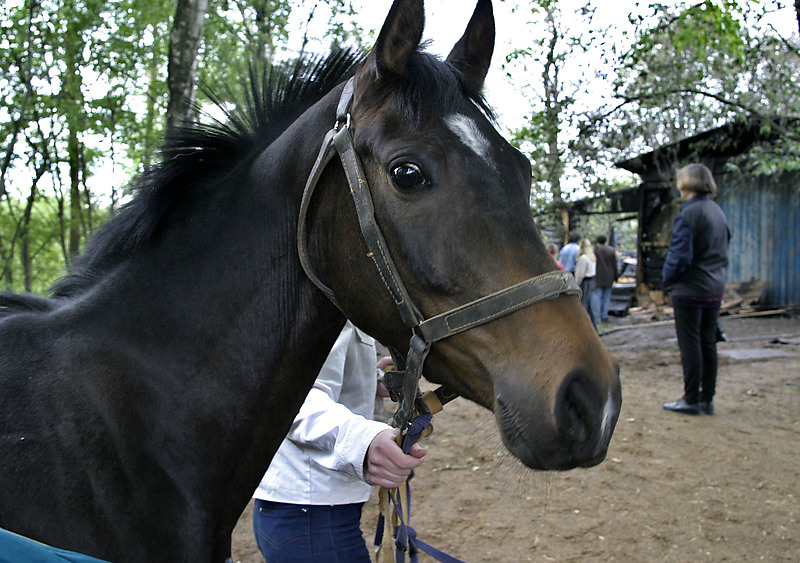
{"points": [[728, 140]]}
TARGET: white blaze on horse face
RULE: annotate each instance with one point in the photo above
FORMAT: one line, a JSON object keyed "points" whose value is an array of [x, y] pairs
{"points": [[467, 130]]}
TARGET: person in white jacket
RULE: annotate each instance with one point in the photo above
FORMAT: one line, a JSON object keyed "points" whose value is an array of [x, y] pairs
{"points": [[585, 270], [308, 505]]}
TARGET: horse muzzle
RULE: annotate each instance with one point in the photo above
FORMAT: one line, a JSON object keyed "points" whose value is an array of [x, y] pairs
{"points": [[573, 431]]}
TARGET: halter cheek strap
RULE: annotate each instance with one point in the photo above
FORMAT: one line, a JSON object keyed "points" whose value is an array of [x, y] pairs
{"points": [[339, 141], [403, 384]]}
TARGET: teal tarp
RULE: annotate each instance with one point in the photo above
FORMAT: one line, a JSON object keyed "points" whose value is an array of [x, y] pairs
{"points": [[17, 549]]}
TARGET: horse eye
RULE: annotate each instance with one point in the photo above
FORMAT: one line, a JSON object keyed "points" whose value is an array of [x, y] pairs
{"points": [[407, 176]]}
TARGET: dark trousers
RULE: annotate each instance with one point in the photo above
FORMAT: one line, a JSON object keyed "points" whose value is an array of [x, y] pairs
{"points": [[294, 533], [696, 329]]}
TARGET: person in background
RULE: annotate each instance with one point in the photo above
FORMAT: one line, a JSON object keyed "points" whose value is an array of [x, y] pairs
{"points": [[585, 271], [308, 505], [694, 273], [553, 250], [568, 255], [606, 275]]}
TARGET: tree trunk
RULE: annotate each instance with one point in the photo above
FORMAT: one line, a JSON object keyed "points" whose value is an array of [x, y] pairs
{"points": [[150, 116], [73, 110], [553, 105], [184, 42], [24, 239], [73, 150], [797, 13]]}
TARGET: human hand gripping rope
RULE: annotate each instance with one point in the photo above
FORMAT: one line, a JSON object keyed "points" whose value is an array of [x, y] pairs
{"points": [[395, 503]]}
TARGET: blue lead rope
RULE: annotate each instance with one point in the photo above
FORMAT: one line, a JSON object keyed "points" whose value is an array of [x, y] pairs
{"points": [[406, 540], [415, 430]]}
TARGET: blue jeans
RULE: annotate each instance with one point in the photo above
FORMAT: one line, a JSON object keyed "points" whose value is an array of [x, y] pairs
{"points": [[294, 533], [591, 300], [605, 301]]}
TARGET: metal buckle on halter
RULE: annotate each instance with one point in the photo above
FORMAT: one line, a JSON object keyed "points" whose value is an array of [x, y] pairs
{"points": [[346, 122], [403, 382], [430, 402], [343, 107], [394, 384]]}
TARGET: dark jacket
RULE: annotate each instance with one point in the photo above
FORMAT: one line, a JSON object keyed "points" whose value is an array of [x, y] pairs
{"points": [[697, 258], [606, 265]]}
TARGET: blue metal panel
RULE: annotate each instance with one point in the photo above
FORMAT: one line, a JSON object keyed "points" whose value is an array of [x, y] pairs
{"points": [[786, 272], [764, 218]]}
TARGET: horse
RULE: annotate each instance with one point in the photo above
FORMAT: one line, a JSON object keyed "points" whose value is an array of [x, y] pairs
{"points": [[142, 401]]}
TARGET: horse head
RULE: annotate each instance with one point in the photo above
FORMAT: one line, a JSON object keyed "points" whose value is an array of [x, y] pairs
{"points": [[451, 197]]}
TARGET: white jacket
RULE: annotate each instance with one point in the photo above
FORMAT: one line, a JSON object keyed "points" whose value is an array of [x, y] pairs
{"points": [[585, 268], [321, 461]]}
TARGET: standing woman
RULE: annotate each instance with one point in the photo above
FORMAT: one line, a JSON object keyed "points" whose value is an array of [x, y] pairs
{"points": [[694, 274], [585, 271]]}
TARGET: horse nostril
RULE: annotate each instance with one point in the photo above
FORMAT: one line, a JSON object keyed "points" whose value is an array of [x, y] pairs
{"points": [[577, 408]]}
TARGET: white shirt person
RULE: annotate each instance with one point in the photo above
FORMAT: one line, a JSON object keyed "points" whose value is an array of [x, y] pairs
{"points": [[308, 505]]}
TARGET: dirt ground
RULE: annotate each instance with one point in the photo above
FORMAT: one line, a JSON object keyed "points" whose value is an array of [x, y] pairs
{"points": [[673, 488]]}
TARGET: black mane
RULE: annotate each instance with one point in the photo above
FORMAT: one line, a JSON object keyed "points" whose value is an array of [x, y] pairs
{"points": [[274, 97]]}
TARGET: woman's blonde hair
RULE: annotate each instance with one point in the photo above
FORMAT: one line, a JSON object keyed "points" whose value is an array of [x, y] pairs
{"points": [[587, 249], [696, 178]]}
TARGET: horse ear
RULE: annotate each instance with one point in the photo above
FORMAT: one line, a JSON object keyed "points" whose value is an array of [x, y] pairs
{"points": [[473, 52], [399, 37]]}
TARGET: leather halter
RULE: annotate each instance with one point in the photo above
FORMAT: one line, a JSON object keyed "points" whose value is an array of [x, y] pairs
{"points": [[404, 383]]}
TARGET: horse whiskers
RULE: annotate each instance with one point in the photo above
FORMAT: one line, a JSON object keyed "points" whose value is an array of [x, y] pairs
{"points": [[485, 431], [511, 476], [507, 472]]}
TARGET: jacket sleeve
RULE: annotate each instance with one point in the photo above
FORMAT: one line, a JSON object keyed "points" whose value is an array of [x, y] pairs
{"points": [[331, 434], [680, 253]]}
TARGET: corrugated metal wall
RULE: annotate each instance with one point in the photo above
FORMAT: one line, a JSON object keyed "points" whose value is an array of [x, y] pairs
{"points": [[764, 219]]}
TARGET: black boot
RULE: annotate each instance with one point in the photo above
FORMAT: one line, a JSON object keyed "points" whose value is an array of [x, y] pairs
{"points": [[682, 406]]}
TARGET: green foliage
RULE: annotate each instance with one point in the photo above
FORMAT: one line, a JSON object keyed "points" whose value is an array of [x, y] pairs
{"points": [[696, 68], [85, 84], [683, 68], [543, 136], [707, 29], [238, 32], [41, 239]]}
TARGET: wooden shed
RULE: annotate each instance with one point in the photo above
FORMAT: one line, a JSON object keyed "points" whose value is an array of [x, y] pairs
{"points": [[763, 210]]}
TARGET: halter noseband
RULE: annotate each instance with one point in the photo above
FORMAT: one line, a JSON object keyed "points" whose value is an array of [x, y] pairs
{"points": [[403, 383]]}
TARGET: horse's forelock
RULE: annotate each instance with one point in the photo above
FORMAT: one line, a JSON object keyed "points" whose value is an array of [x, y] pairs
{"points": [[433, 87]]}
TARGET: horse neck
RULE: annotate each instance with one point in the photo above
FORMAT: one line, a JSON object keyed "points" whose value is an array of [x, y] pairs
{"points": [[253, 313], [304, 320], [222, 319], [228, 265]]}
